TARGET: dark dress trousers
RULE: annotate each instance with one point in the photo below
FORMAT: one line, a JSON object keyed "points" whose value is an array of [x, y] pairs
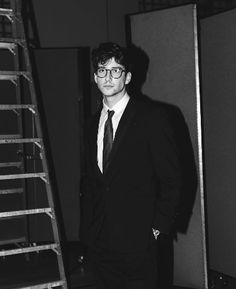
{"points": [[140, 189]]}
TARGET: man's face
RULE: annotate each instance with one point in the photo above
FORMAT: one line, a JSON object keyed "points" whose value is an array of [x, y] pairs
{"points": [[109, 86]]}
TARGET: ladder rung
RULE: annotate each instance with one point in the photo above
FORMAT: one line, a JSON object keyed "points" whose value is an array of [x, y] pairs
{"points": [[12, 40], [10, 136], [13, 75], [12, 78], [23, 176], [16, 73], [17, 106], [11, 44], [28, 250], [6, 12], [7, 45], [11, 164], [45, 285], [11, 218], [11, 191], [9, 140], [10, 214]]}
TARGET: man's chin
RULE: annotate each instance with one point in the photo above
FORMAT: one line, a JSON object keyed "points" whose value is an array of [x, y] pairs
{"points": [[108, 91], [106, 94]]}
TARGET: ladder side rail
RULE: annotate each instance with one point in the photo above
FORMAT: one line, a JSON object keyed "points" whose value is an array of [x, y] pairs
{"points": [[37, 118], [54, 221], [39, 131], [19, 116]]}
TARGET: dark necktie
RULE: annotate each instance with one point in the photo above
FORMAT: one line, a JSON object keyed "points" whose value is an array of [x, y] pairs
{"points": [[107, 139]]}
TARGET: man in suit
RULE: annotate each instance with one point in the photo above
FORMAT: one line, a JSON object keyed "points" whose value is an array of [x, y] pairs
{"points": [[133, 178]]}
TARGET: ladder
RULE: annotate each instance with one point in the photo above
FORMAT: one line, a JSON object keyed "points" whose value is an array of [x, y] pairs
{"points": [[19, 177]]}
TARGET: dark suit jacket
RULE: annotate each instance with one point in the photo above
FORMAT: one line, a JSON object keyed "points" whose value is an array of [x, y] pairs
{"points": [[140, 189]]}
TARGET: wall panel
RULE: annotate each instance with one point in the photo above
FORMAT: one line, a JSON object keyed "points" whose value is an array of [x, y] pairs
{"points": [[169, 40], [218, 61], [61, 93]]}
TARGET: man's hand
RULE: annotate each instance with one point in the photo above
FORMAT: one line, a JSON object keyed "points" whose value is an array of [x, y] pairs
{"points": [[156, 233]]}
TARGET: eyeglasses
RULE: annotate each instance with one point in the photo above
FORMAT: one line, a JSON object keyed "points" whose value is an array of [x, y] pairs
{"points": [[115, 72]]}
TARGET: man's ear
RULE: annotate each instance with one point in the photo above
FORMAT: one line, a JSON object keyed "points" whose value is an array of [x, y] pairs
{"points": [[95, 77], [128, 78]]}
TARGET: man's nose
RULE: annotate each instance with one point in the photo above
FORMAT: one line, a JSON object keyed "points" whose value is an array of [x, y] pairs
{"points": [[108, 75]]}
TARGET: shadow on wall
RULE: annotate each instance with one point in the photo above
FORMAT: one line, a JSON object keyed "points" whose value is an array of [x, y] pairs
{"points": [[140, 64]]}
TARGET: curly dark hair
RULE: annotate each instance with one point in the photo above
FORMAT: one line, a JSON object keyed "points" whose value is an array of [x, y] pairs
{"points": [[108, 50]]}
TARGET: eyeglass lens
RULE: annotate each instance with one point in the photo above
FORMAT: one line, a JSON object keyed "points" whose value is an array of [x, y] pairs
{"points": [[115, 72]]}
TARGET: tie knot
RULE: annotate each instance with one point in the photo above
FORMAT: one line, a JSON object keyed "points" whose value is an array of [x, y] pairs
{"points": [[110, 113]]}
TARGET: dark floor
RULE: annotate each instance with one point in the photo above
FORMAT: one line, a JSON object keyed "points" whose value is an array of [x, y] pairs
{"points": [[25, 270]]}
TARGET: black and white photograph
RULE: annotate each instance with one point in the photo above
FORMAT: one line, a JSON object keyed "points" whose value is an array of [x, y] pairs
{"points": [[117, 144]]}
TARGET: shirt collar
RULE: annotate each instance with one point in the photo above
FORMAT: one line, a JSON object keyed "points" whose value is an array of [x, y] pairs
{"points": [[119, 106]]}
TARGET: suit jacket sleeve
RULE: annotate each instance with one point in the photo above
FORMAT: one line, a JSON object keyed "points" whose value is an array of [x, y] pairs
{"points": [[165, 158]]}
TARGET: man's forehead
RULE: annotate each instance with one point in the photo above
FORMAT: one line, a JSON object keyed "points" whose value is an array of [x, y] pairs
{"points": [[111, 62]]}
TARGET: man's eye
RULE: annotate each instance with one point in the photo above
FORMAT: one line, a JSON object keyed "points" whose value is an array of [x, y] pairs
{"points": [[116, 70], [101, 70]]}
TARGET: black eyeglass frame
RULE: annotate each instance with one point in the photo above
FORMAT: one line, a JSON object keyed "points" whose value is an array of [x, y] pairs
{"points": [[111, 70]]}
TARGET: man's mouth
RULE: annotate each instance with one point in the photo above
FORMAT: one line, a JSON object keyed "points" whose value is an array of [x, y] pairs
{"points": [[108, 86]]}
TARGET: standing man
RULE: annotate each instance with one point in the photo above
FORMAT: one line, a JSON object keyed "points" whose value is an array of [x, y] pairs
{"points": [[132, 182]]}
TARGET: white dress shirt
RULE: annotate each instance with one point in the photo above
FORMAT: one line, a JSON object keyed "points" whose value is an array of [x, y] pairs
{"points": [[118, 108]]}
